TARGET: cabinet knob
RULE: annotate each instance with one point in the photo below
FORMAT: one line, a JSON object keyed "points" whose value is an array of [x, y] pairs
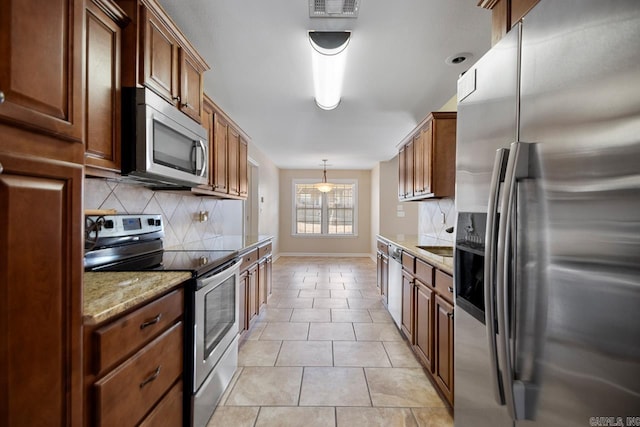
{"points": [[0, 168], [1, 97], [450, 289], [186, 105], [176, 98], [450, 315]]}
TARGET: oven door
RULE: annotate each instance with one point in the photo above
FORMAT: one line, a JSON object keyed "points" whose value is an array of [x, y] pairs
{"points": [[216, 319]]}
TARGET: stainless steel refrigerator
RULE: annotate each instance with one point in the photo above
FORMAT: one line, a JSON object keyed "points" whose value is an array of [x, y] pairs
{"points": [[547, 264]]}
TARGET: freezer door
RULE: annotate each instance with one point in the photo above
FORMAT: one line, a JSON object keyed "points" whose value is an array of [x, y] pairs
{"points": [[487, 120], [475, 404], [580, 92]]}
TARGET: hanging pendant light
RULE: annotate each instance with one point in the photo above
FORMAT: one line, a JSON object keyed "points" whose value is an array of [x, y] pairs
{"points": [[324, 186]]}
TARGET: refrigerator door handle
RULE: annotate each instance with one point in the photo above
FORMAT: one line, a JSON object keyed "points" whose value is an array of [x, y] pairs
{"points": [[497, 177], [518, 166]]}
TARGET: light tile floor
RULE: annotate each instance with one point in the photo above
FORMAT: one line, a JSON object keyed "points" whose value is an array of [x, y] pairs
{"points": [[325, 352]]}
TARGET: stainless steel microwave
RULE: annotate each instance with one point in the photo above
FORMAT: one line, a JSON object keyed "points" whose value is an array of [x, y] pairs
{"points": [[160, 145]]}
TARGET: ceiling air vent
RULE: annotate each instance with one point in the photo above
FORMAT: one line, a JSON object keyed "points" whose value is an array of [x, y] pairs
{"points": [[333, 8]]}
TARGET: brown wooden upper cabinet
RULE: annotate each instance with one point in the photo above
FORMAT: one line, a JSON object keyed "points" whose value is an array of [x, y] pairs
{"points": [[40, 67], [505, 14], [426, 160], [104, 21], [228, 155], [165, 61]]}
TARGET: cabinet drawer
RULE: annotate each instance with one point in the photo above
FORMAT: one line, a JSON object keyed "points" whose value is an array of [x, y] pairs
{"points": [[168, 412], [264, 250], [248, 259], [127, 334], [408, 262], [383, 247], [444, 285], [424, 272], [130, 390]]}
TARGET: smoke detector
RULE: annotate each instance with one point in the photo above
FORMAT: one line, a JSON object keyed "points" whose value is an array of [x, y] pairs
{"points": [[334, 8]]}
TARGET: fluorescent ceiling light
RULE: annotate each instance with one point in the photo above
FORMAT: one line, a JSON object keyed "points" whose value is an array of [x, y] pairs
{"points": [[329, 56]]}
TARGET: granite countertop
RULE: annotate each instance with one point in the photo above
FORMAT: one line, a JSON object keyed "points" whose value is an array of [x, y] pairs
{"points": [[410, 244], [107, 294]]}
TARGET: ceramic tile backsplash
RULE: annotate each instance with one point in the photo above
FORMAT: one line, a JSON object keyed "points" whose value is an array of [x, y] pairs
{"points": [[182, 230], [430, 220]]}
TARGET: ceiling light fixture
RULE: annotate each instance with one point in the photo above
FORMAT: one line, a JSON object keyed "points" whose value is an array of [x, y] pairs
{"points": [[324, 186], [329, 57]]}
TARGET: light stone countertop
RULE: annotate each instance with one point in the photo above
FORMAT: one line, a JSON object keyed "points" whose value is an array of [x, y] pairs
{"points": [[107, 294], [410, 244]]}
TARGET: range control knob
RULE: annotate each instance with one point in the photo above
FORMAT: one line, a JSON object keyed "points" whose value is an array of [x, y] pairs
{"points": [[108, 223], [151, 221]]}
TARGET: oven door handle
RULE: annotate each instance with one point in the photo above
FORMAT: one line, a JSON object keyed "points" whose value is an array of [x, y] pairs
{"points": [[212, 282]]}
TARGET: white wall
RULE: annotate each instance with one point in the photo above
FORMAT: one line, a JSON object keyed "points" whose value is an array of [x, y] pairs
{"points": [[375, 206], [353, 245], [390, 208], [268, 196]]}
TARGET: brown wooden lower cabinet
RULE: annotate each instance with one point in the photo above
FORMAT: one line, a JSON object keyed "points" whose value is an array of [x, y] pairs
{"points": [[407, 305], [427, 321], [423, 333], [243, 320], [40, 291], [134, 366], [443, 369], [255, 283], [168, 413], [262, 283], [252, 295]]}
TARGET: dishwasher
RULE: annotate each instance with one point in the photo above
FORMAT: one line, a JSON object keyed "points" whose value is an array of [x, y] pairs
{"points": [[394, 293]]}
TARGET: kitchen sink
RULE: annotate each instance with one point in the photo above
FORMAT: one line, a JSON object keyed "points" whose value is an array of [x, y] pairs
{"points": [[446, 251]]}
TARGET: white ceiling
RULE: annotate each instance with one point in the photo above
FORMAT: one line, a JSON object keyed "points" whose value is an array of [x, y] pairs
{"points": [[396, 74]]}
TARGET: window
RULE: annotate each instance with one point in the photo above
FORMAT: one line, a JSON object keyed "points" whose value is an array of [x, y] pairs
{"points": [[332, 213]]}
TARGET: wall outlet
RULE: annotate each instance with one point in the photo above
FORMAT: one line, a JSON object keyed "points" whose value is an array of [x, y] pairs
{"points": [[400, 214]]}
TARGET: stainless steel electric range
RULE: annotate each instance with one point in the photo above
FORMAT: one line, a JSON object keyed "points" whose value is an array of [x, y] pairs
{"points": [[134, 243]]}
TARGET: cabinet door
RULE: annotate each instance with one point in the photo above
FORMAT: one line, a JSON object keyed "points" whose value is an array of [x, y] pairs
{"points": [[190, 87], [233, 165], [427, 170], [160, 62], [424, 324], [269, 275], [418, 164], [243, 321], [41, 65], [252, 293], [407, 306], [40, 292], [385, 279], [102, 125], [219, 164], [402, 173], [408, 177], [243, 164], [262, 283], [444, 347]]}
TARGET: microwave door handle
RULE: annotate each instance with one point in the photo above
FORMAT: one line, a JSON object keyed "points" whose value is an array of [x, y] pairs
{"points": [[203, 172], [497, 177]]}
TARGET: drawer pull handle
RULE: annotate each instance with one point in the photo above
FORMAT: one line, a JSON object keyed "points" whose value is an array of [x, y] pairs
{"points": [[450, 289], [153, 376], [151, 321]]}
